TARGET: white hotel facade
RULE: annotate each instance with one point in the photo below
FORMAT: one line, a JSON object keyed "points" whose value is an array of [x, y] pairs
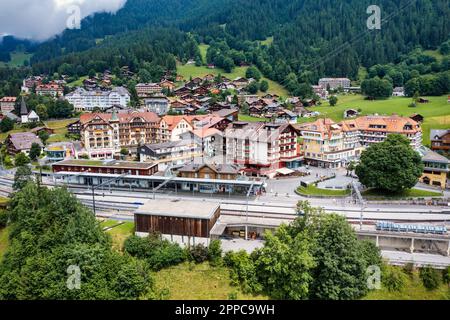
{"points": [[84, 100]]}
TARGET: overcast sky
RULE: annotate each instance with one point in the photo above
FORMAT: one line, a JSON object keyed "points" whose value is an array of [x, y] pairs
{"points": [[41, 19]]}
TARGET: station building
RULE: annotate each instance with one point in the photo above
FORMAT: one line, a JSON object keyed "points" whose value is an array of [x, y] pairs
{"points": [[186, 222]]}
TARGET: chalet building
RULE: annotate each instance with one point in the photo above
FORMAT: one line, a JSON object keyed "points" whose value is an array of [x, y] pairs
{"points": [[38, 130], [21, 142], [217, 106], [285, 115], [242, 83], [230, 114], [168, 85], [147, 89], [182, 91], [90, 84], [186, 222], [51, 89], [74, 128], [440, 140], [210, 171], [209, 77], [7, 104], [417, 118], [201, 91], [261, 147], [321, 92], [207, 122], [172, 127], [104, 134], [350, 113], [257, 111], [30, 83], [106, 167], [436, 169]]}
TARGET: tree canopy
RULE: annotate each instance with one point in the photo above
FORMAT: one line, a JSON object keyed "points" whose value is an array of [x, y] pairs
{"points": [[392, 165], [316, 257], [53, 234]]}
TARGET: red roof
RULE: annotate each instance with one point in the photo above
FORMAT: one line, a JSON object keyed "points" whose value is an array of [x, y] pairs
{"points": [[8, 99]]}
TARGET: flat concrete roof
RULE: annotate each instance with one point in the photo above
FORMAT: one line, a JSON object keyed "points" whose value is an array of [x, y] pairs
{"points": [[179, 208]]}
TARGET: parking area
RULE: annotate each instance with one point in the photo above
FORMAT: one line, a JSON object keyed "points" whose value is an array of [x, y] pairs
{"points": [[287, 186]]}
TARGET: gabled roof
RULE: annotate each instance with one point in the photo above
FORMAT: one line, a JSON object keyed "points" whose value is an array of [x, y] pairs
{"points": [[217, 168], [23, 140], [438, 134]]}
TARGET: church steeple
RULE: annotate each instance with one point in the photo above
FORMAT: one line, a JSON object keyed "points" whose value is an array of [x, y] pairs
{"points": [[23, 108]]}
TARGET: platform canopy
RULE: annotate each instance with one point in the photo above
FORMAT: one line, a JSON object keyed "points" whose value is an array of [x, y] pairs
{"points": [[285, 171]]}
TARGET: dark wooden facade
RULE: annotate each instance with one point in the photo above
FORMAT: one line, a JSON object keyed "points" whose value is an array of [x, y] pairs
{"points": [[177, 226]]}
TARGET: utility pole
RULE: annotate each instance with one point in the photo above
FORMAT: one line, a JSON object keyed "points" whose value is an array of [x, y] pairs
{"points": [[93, 199], [246, 223]]}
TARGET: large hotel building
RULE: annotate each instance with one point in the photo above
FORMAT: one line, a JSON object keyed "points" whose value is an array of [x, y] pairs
{"points": [[104, 134], [331, 145]]}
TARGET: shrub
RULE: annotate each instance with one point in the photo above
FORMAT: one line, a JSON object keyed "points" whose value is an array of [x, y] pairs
{"points": [[232, 296], [242, 271], [158, 253], [215, 253], [166, 255], [137, 246], [4, 217], [409, 269], [430, 278], [199, 253], [394, 278], [446, 276]]}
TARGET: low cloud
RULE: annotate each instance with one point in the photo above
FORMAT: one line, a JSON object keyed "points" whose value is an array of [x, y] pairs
{"points": [[42, 19]]}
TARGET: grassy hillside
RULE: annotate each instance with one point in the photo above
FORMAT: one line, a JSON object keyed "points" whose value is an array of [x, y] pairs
{"points": [[413, 290], [4, 241], [436, 113], [203, 49], [198, 282], [17, 59], [193, 71]]}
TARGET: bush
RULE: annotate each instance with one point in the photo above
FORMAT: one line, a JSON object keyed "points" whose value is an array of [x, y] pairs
{"points": [[232, 296], [430, 278], [242, 271], [394, 278], [409, 269], [199, 253], [4, 217], [215, 253], [158, 253], [446, 276], [137, 246]]}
